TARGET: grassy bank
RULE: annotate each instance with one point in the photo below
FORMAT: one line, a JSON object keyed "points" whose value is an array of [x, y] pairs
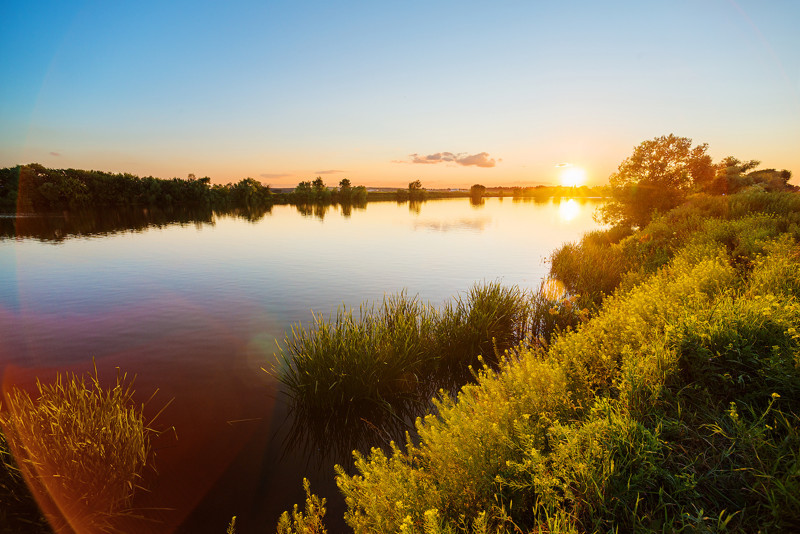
{"points": [[673, 408]]}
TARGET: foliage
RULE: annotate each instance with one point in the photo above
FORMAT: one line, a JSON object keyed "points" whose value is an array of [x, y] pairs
{"points": [[656, 177], [33, 187], [489, 320], [358, 379], [372, 360], [416, 191], [477, 191], [733, 175], [82, 447]]}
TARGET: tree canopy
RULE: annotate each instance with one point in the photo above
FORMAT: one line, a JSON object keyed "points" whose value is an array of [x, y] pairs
{"points": [[656, 178]]}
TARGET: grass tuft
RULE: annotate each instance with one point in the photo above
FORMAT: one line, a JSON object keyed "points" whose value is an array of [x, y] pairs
{"points": [[81, 448]]}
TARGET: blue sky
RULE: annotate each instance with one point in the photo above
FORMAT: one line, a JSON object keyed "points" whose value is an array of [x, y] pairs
{"points": [[285, 91]]}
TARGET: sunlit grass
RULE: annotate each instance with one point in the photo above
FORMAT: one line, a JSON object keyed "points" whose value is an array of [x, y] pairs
{"points": [[81, 447]]}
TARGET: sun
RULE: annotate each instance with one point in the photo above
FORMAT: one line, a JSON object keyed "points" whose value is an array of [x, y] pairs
{"points": [[573, 177]]}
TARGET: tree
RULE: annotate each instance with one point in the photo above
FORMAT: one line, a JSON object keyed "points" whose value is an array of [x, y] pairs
{"points": [[345, 190], [477, 191], [656, 178], [415, 190], [303, 192], [321, 193]]}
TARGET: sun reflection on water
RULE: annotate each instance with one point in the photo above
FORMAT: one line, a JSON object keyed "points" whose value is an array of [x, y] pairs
{"points": [[569, 209]]}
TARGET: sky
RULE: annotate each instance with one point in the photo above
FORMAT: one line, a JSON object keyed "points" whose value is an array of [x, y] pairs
{"points": [[383, 93]]}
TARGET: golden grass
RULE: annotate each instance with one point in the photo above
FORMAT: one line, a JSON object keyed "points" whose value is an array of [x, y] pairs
{"points": [[81, 447]]}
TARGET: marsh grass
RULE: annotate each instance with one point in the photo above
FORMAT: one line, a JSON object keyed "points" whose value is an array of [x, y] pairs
{"points": [[376, 357], [357, 379], [486, 321], [81, 448]]}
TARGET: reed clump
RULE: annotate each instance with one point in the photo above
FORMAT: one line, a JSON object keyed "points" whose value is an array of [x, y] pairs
{"points": [[374, 358], [82, 448]]}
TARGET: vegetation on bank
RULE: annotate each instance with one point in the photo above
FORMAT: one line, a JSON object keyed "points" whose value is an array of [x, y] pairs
{"points": [[359, 378], [674, 408]]}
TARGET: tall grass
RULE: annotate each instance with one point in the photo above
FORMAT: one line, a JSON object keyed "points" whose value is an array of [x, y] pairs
{"points": [[357, 379], [377, 356], [82, 449]]}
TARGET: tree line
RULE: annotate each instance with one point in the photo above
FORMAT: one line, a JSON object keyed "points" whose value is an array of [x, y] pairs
{"points": [[35, 188]]}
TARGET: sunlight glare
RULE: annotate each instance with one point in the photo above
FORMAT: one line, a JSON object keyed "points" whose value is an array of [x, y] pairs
{"points": [[573, 177], [569, 209]]}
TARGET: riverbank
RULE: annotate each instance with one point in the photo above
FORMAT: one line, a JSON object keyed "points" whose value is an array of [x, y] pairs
{"points": [[674, 407]]}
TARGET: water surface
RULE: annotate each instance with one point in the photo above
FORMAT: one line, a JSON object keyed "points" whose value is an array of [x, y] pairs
{"points": [[193, 305]]}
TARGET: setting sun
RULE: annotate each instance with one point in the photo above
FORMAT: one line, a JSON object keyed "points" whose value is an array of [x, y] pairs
{"points": [[573, 177]]}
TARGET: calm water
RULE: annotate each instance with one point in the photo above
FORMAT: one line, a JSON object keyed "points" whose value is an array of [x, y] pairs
{"points": [[193, 305]]}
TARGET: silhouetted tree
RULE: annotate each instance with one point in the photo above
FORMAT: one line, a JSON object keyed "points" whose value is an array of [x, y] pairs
{"points": [[321, 192], [303, 192], [477, 191], [345, 190], [415, 190]]}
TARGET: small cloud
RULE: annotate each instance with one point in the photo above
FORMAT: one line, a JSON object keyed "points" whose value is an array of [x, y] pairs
{"points": [[562, 165], [56, 154], [481, 159], [334, 171], [276, 176]]}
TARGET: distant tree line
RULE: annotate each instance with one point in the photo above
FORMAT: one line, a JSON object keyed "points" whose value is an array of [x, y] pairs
{"points": [[317, 192], [35, 188]]}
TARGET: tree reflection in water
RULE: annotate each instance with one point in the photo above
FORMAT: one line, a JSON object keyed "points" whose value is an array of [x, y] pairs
{"points": [[103, 222]]}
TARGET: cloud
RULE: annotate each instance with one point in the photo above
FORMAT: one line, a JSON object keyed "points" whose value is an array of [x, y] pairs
{"points": [[276, 176], [562, 165], [56, 154], [481, 159], [334, 171]]}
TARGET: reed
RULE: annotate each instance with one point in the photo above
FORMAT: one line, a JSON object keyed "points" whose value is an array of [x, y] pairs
{"points": [[82, 448], [374, 358], [486, 321]]}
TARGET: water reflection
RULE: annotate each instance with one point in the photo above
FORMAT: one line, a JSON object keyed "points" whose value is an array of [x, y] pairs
{"points": [[95, 223], [446, 226], [56, 227], [477, 202], [569, 209], [329, 438]]}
